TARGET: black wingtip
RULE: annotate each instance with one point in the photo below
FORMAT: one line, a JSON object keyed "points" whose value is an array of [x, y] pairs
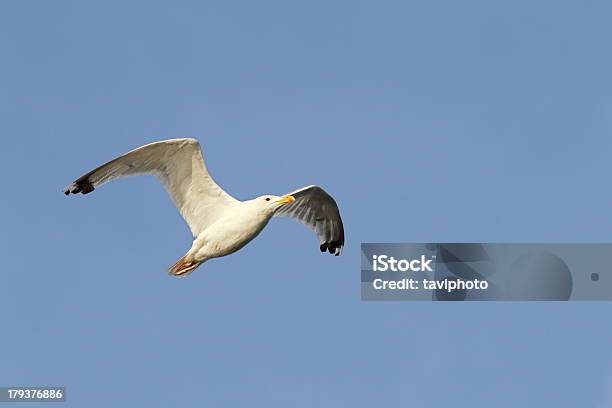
{"points": [[82, 186], [333, 247], [87, 188]]}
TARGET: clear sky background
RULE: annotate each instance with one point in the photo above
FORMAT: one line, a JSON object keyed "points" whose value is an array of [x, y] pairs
{"points": [[427, 120]]}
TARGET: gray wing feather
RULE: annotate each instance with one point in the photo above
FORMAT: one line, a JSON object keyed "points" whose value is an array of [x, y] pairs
{"points": [[179, 165], [316, 209]]}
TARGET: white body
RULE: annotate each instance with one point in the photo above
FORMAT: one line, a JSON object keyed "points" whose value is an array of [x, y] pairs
{"points": [[233, 230]]}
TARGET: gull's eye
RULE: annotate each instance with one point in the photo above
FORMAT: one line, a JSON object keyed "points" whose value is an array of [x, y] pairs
{"points": [[267, 198]]}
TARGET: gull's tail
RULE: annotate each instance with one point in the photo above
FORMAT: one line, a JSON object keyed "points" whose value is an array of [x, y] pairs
{"points": [[183, 267]]}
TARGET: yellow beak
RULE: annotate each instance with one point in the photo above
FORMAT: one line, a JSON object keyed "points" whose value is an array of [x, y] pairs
{"points": [[286, 199]]}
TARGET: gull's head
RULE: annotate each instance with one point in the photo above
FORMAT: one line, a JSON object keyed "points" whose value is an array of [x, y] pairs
{"points": [[271, 203]]}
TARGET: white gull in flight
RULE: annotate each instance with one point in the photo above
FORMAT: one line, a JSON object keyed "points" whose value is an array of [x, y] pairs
{"points": [[220, 224]]}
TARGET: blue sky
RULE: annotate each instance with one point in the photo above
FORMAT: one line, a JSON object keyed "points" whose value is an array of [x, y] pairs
{"points": [[427, 120]]}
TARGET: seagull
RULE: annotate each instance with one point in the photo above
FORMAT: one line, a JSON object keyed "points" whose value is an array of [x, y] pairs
{"points": [[220, 224]]}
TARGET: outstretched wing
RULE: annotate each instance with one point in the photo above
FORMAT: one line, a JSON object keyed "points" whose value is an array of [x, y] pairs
{"points": [[179, 165], [318, 210]]}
